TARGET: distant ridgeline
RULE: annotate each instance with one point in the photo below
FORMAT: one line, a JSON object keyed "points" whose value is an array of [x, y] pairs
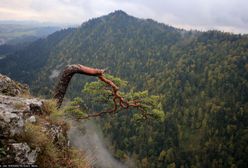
{"points": [[201, 76], [20, 32]]}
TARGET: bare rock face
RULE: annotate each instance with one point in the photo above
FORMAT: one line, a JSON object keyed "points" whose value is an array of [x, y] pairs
{"points": [[15, 112], [24, 154], [12, 88]]}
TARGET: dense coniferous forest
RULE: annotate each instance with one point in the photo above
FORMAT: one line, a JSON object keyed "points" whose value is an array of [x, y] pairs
{"points": [[202, 78]]}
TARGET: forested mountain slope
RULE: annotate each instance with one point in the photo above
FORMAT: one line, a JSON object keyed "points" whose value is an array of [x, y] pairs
{"points": [[201, 76], [24, 64]]}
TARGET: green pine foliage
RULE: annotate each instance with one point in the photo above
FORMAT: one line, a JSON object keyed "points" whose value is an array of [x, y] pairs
{"points": [[99, 95]]}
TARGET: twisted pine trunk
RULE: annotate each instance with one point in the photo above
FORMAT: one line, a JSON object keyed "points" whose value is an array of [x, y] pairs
{"points": [[118, 101], [66, 76]]}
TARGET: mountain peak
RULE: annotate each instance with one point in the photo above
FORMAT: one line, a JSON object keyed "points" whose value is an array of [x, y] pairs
{"points": [[115, 15], [119, 12]]}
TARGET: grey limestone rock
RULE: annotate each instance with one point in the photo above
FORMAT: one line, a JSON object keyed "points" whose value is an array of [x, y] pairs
{"points": [[12, 88], [24, 154], [17, 110]]}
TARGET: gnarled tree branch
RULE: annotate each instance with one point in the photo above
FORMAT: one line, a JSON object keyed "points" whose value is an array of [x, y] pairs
{"points": [[65, 78], [119, 102]]}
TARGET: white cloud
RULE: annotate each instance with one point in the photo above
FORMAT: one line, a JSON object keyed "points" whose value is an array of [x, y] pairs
{"points": [[229, 15]]}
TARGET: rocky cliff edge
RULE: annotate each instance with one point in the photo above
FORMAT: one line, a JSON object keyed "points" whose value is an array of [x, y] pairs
{"points": [[27, 134]]}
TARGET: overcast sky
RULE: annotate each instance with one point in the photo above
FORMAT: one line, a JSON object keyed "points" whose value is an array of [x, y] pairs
{"points": [[226, 15]]}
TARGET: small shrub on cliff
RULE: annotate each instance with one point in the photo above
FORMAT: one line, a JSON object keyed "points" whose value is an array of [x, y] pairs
{"points": [[49, 107], [35, 136], [54, 151]]}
